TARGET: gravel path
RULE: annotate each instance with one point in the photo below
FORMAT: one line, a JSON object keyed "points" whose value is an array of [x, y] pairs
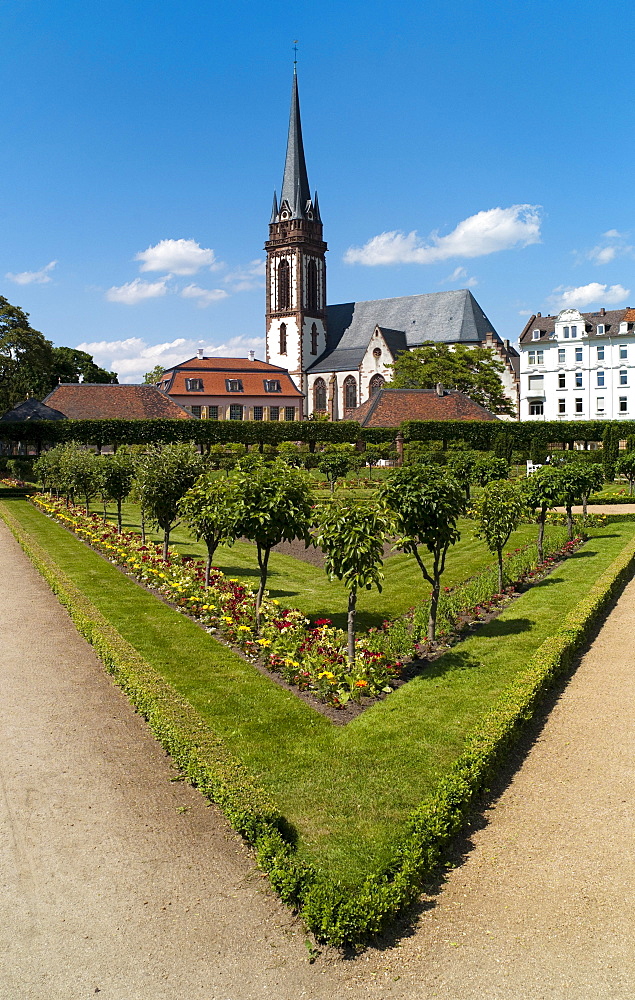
{"points": [[117, 880]]}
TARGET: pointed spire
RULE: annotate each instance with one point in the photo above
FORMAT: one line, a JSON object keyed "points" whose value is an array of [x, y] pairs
{"points": [[274, 210], [295, 185], [316, 208]]}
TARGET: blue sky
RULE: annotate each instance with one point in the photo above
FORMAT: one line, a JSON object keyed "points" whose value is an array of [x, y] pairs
{"points": [[479, 144]]}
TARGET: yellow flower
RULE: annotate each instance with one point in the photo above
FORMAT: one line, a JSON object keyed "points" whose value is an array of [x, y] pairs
{"points": [[326, 673]]}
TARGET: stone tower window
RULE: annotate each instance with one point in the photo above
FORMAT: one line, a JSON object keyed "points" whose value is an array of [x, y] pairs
{"points": [[284, 287], [283, 338], [376, 383], [311, 286], [319, 394], [314, 339], [350, 393]]}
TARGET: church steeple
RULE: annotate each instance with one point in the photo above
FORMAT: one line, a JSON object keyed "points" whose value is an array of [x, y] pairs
{"points": [[296, 266]]}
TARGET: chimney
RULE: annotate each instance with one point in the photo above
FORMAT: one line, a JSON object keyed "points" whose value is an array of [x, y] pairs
{"points": [[507, 345], [602, 311], [252, 355], [199, 354], [439, 389]]}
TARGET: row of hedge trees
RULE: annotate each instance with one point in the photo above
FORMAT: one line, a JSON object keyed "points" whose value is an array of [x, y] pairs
{"points": [[480, 435]]}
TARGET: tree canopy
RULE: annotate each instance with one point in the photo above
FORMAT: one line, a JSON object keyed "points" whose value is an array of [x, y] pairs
{"points": [[69, 365], [473, 370]]}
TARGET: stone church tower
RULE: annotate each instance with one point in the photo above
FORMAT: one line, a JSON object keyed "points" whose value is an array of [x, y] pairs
{"points": [[296, 265]]}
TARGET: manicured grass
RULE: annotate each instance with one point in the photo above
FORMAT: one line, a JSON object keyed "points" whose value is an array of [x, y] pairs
{"points": [[346, 790], [298, 584]]}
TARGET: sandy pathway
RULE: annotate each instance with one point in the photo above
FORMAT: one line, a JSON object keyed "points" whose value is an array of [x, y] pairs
{"points": [[114, 878]]}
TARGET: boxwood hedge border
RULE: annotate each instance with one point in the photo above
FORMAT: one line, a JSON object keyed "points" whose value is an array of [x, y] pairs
{"points": [[334, 913]]}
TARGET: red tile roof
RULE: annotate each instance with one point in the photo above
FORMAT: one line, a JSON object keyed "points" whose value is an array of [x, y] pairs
{"points": [[390, 407], [104, 401], [213, 372]]}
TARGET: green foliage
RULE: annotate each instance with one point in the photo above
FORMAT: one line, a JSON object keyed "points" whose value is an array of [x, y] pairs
{"points": [[334, 465], [538, 450], [351, 534], [273, 505], [610, 451], [462, 464], [116, 475], [489, 469], [426, 505], [626, 467], [473, 370], [26, 358], [69, 365], [163, 477], [543, 490], [498, 511], [154, 376], [577, 482], [504, 445], [210, 510]]}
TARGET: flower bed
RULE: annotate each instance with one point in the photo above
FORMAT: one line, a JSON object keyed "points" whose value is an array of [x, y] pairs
{"points": [[311, 657]]}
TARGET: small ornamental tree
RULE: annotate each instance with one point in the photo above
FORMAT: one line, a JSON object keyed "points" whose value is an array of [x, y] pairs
{"points": [[543, 491], [274, 505], [373, 455], [462, 465], [163, 477], [488, 470], [80, 472], [209, 510], [426, 504], [351, 535], [574, 485], [115, 480], [335, 465], [626, 468], [498, 512]]}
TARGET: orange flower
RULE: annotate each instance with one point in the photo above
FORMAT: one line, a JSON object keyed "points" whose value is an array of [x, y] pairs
{"points": [[361, 684]]}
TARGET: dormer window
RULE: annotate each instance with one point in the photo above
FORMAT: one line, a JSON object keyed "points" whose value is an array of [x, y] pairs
{"points": [[574, 331], [272, 385], [535, 335], [234, 385], [600, 328], [565, 332], [194, 384]]}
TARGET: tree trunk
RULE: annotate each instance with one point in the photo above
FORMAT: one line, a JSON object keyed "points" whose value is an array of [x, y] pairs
{"points": [[352, 609], [166, 542], [541, 534], [569, 522], [211, 549], [263, 560], [87, 504], [119, 515], [332, 486], [434, 606], [585, 500], [499, 553], [105, 511], [143, 526]]}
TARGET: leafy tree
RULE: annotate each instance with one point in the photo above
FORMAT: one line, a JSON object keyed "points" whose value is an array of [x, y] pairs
{"points": [[488, 469], [26, 357], [475, 371], [537, 450], [80, 472], [69, 365], [626, 468], [151, 378], [543, 490], [351, 535], [163, 477], [115, 480], [335, 465], [504, 446], [426, 504], [498, 512], [610, 451], [373, 455], [576, 482], [462, 465], [274, 505], [209, 508]]}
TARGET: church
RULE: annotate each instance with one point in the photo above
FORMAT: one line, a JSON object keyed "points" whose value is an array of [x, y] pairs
{"points": [[339, 355]]}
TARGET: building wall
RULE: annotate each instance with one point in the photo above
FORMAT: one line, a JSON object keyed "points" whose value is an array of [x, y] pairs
{"points": [[248, 403]]}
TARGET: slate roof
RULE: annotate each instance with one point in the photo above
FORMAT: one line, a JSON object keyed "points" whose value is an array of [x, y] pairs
{"points": [[610, 319], [390, 407], [214, 371], [31, 409], [443, 317], [104, 401]]}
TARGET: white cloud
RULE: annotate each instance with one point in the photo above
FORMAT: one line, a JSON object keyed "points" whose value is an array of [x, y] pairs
{"points": [[613, 245], [204, 296], [457, 274], [137, 291], [245, 278], [481, 234], [41, 277], [584, 295], [602, 255], [525, 312], [177, 256], [133, 357], [613, 234]]}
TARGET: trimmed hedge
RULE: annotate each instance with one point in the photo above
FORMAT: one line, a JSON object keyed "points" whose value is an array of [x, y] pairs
{"points": [[335, 914]]}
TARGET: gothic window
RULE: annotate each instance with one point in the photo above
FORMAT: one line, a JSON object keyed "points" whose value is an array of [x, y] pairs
{"points": [[376, 383], [314, 338], [319, 394], [283, 338], [284, 287], [311, 286], [350, 393]]}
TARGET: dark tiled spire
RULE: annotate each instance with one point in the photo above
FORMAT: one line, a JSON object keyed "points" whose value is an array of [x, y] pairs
{"points": [[295, 184]]}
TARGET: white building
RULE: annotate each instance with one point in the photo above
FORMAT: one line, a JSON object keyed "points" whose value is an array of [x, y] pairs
{"points": [[578, 366]]}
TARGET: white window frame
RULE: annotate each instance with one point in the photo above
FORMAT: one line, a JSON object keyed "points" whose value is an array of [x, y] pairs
{"points": [[599, 404], [600, 380], [562, 406], [623, 352], [623, 404], [562, 355], [579, 406], [600, 352], [578, 380], [600, 328], [535, 335], [623, 376]]}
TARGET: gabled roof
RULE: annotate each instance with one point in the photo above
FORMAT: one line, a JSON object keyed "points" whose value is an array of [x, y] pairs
{"points": [[610, 319], [104, 401], [390, 407], [214, 372], [31, 409], [443, 317]]}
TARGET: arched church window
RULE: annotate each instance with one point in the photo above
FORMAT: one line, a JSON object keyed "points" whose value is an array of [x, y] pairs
{"points": [[314, 339], [283, 338], [311, 286], [284, 285], [319, 394], [376, 383], [350, 393]]}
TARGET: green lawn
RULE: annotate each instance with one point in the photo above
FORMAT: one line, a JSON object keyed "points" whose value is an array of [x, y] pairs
{"points": [[347, 791]]}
